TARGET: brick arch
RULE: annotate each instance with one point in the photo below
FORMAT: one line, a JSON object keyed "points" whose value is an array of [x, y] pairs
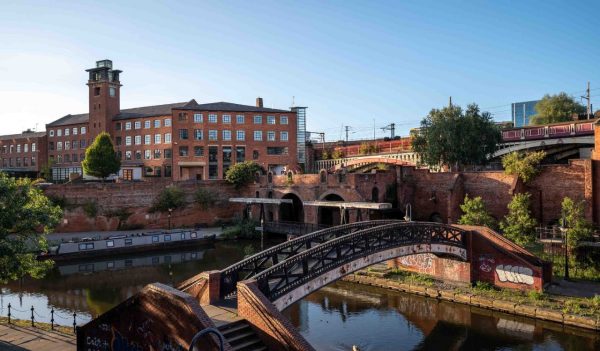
{"points": [[294, 212]]}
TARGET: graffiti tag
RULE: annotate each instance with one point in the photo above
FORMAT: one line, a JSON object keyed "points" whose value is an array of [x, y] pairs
{"points": [[514, 274], [421, 261]]}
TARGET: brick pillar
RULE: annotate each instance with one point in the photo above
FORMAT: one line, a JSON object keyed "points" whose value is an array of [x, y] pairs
{"points": [[211, 293]]}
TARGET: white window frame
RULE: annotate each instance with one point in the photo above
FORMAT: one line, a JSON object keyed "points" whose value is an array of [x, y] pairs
{"points": [[271, 120], [198, 118], [258, 135], [212, 118], [127, 125], [257, 119], [283, 136], [128, 140], [157, 138], [157, 123], [168, 138], [83, 130], [240, 119], [167, 122], [213, 134], [138, 140], [270, 135], [240, 135], [283, 120], [147, 139], [51, 133], [137, 125], [226, 119], [147, 124], [226, 135]]}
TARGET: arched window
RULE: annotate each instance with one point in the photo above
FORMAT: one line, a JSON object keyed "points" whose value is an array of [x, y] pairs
{"points": [[257, 194], [270, 177], [323, 176]]}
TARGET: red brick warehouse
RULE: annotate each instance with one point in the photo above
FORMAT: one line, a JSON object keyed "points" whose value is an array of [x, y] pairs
{"points": [[180, 141]]}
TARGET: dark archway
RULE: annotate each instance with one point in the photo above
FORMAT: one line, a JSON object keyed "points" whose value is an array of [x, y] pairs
{"points": [[375, 194], [291, 212], [436, 217], [330, 215]]}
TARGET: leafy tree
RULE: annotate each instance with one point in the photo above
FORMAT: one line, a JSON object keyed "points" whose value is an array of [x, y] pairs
{"points": [[578, 229], [100, 158], [518, 225], [453, 138], [474, 213], [325, 155], [206, 197], [367, 148], [25, 215], [524, 165], [555, 108], [242, 173], [337, 154], [171, 197]]}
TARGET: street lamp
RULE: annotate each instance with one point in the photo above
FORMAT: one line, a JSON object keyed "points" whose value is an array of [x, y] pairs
{"points": [[564, 230], [170, 211], [408, 213]]}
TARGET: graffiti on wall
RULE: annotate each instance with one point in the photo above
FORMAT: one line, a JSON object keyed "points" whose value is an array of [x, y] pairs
{"points": [[422, 262], [486, 263], [514, 274]]}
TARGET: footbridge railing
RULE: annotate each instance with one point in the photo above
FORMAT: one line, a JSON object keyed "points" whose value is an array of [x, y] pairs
{"points": [[311, 264], [253, 265]]}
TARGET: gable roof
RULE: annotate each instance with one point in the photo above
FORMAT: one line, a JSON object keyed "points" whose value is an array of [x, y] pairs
{"points": [[165, 109]]}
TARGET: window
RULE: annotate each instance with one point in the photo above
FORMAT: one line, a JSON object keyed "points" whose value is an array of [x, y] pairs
{"points": [[168, 154], [18, 162], [167, 138], [18, 148], [168, 171], [257, 119], [157, 154], [155, 238], [67, 145], [83, 130], [138, 140], [127, 155], [75, 144], [148, 139], [182, 236], [147, 124], [112, 92], [239, 119], [226, 135], [128, 141], [157, 123], [283, 136], [157, 171], [212, 118], [33, 160], [82, 144], [74, 157], [240, 154], [138, 155], [182, 116], [110, 243], [257, 135], [118, 126], [75, 130], [67, 131], [277, 150], [240, 135], [167, 237], [212, 135], [283, 120], [198, 135], [59, 132], [183, 151], [226, 119], [128, 126], [193, 235], [271, 136], [198, 151], [198, 118], [167, 122], [26, 148], [51, 132], [137, 125], [183, 134], [157, 138], [270, 119], [86, 246], [50, 145], [255, 154], [25, 161], [147, 154], [128, 242], [59, 146]]}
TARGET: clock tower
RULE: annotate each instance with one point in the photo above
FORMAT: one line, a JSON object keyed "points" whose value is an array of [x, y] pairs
{"points": [[104, 97]]}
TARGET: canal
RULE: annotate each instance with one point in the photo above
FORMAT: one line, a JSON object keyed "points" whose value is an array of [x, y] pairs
{"points": [[336, 317]]}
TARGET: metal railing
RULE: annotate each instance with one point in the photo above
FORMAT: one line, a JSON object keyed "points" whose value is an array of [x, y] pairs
{"points": [[293, 228], [34, 314]]}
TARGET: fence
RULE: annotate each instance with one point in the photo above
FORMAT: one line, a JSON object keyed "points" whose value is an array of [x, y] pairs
{"points": [[34, 314]]}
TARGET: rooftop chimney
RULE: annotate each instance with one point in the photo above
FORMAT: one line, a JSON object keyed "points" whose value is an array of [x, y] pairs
{"points": [[259, 102]]}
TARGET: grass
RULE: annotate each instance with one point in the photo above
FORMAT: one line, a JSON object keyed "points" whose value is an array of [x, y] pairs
{"points": [[38, 325], [558, 265], [589, 307]]}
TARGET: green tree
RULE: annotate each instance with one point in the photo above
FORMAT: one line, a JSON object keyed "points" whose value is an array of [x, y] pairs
{"points": [[206, 197], [171, 197], [25, 216], [474, 213], [518, 225], [100, 158], [524, 165], [578, 229], [555, 108], [337, 154], [242, 173], [453, 138]]}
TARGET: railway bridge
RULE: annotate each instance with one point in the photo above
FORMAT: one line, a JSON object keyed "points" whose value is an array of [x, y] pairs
{"points": [[244, 301]]}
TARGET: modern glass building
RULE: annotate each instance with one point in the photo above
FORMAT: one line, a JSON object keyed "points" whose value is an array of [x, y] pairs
{"points": [[522, 112]]}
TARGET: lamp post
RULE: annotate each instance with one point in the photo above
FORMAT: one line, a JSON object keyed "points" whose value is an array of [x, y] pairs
{"points": [[564, 230], [408, 213], [170, 211]]}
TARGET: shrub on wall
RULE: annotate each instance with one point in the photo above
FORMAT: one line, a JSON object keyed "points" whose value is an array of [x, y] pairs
{"points": [[518, 225], [171, 197], [242, 173], [90, 208], [474, 213], [206, 197], [524, 165]]}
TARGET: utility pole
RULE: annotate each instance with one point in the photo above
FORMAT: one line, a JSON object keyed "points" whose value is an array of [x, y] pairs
{"points": [[587, 97], [347, 130], [450, 102], [392, 128]]}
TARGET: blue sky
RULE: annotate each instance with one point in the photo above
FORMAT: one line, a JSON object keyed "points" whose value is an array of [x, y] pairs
{"points": [[350, 62]]}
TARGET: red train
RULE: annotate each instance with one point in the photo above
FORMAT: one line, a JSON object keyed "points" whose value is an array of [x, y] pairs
{"points": [[549, 131]]}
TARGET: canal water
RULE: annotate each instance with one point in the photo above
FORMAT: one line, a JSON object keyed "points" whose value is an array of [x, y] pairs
{"points": [[336, 317]]}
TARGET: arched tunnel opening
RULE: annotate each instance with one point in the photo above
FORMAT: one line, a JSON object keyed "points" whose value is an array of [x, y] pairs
{"points": [[330, 216], [293, 212]]}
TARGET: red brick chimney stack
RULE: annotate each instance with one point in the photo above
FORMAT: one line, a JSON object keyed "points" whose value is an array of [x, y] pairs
{"points": [[259, 102]]}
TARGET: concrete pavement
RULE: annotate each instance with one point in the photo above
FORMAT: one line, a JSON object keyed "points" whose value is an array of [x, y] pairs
{"points": [[14, 338]]}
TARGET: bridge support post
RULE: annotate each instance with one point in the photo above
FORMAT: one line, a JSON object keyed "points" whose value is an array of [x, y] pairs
{"points": [[211, 294]]}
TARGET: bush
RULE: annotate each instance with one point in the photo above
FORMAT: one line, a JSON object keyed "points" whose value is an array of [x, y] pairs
{"points": [[243, 229], [170, 198], [90, 208], [518, 225], [206, 197], [524, 165], [121, 213], [337, 154], [242, 173], [474, 213]]}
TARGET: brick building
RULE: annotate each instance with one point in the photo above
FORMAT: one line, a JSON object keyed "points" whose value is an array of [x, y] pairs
{"points": [[23, 155], [182, 141]]}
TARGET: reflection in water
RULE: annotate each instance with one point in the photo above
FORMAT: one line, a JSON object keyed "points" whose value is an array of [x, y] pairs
{"points": [[90, 288], [345, 314]]}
